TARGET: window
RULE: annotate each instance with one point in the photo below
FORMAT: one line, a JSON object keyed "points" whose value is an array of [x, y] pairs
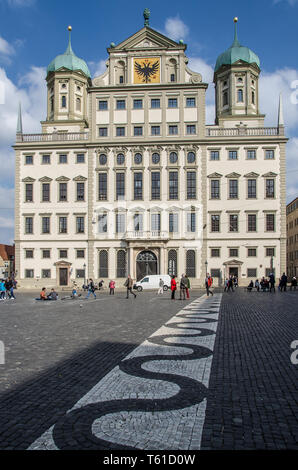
{"points": [[190, 263], [62, 224], [45, 224], [155, 222], [28, 253], [173, 222], [225, 98], [191, 222], [121, 79], [155, 130], [138, 104], [240, 95], [103, 263], [233, 252], [29, 160], [269, 154], [80, 253], [138, 186], [251, 154], [137, 130], [155, 185], [28, 225], [120, 185], [173, 130], [252, 252], [252, 272], [62, 191], [120, 223], [52, 104], [172, 77], [155, 103], [29, 192], [63, 101], [78, 104], [172, 263], [270, 222], [270, 190], [155, 158], [80, 273], [191, 185], [102, 105], [102, 223], [233, 223], [138, 222], [191, 157], [270, 251], [251, 189], [215, 189], [190, 102], [172, 103], [45, 192], [120, 104], [46, 159], [45, 254], [173, 185], [215, 223], [138, 158], [103, 131], [120, 131], [233, 155], [80, 158], [80, 191], [29, 273], [63, 158], [190, 129], [215, 252], [120, 159], [121, 263], [80, 224], [102, 187], [251, 223], [103, 159], [233, 189], [214, 155], [62, 253], [45, 273], [173, 157]]}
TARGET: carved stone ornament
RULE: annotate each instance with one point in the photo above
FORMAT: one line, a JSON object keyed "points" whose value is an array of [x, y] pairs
{"points": [[197, 78]]}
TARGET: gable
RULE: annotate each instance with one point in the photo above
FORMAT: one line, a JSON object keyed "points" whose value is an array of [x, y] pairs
{"points": [[149, 39]]}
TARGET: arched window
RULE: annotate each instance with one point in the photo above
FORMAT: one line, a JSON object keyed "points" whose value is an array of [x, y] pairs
{"points": [[103, 264], [191, 263], [121, 263], [172, 263], [253, 97], [120, 159], [240, 95], [78, 104], [63, 101], [225, 98]]}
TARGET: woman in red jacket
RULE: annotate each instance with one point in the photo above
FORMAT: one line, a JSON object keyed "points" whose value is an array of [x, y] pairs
{"points": [[173, 287]]}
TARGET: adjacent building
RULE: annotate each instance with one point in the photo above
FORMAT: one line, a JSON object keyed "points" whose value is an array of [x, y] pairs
{"points": [[126, 177], [7, 261], [292, 238]]}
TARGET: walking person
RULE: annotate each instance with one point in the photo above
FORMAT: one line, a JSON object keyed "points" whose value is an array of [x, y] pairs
{"points": [[112, 287], [257, 285], [208, 284], [182, 287], [10, 289], [160, 288], [2, 290], [91, 289], [129, 285], [226, 285], [173, 287], [272, 282], [283, 282], [230, 284], [187, 286]]}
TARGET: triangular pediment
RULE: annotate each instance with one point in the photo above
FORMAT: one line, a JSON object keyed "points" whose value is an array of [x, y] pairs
{"points": [[147, 38], [214, 175], [251, 175], [45, 179], [270, 174], [28, 179], [233, 175], [62, 178], [80, 178]]}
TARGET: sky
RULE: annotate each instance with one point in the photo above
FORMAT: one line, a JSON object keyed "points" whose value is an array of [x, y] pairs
{"points": [[33, 32]]}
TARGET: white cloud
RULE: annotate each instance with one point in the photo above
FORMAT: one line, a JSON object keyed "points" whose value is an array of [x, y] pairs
{"points": [[290, 2], [6, 48], [97, 68], [19, 3], [176, 29]]}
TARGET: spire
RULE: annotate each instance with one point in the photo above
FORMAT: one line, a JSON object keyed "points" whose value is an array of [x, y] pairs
{"points": [[280, 112], [69, 48], [236, 43], [20, 124], [146, 15]]}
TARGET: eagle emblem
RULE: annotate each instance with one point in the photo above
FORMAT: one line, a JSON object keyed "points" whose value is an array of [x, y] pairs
{"points": [[146, 70]]}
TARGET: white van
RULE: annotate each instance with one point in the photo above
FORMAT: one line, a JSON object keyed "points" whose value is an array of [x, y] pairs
{"points": [[152, 282]]}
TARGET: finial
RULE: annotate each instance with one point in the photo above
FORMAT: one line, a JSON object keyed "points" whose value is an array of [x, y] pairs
{"points": [[20, 124], [69, 48], [281, 121], [236, 42], [146, 15]]}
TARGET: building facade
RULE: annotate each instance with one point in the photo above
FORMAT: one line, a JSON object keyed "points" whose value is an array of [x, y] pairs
{"points": [[7, 261], [126, 177], [292, 238]]}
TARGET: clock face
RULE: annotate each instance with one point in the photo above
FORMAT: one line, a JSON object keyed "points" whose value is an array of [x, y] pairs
{"points": [[147, 70]]}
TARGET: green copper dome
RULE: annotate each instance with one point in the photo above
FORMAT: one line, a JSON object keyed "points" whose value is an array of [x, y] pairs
{"points": [[236, 52], [69, 61]]}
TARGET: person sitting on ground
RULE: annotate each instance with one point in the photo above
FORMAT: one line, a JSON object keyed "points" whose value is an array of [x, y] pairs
{"points": [[250, 286], [42, 294], [53, 295]]}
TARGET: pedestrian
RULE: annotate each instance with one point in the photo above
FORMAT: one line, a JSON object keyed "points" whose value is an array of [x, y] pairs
{"points": [[183, 283], [230, 284], [226, 285], [112, 287], [293, 283], [129, 285], [272, 282], [160, 289], [91, 289], [250, 286], [283, 282], [10, 289], [100, 284], [187, 285], [173, 287], [208, 284], [2, 290], [257, 285]]}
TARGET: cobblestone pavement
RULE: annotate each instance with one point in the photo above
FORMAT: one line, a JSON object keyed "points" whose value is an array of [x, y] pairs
{"points": [[69, 366]]}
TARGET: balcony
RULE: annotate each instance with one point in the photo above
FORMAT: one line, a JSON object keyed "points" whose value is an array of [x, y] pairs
{"points": [[242, 131], [147, 235], [53, 137]]}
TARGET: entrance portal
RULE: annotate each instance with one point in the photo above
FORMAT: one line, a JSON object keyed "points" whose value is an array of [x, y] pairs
{"points": [[233, 272], [63, 276], [146, 264]]}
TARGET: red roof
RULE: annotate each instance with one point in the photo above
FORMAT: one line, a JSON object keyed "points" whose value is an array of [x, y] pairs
{"points": [[7, 251]]}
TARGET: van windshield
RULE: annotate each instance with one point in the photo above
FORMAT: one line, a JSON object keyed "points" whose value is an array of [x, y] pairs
{"points": [[146, 279]]}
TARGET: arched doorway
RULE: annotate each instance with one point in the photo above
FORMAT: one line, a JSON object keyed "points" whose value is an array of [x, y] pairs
{"points": [[146, 264]]}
